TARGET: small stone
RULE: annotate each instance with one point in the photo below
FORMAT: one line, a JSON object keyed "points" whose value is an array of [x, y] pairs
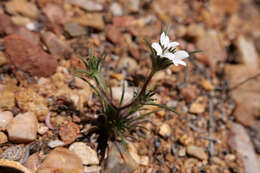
{"points": [[128, 64], [182, 152], [165, 130], [247, 52], [87, 5], [5, 118], [117, 93], [197, 108], [133, 152], [116, 9], [23, 128], [28, 57], [243, 115], [123, 21], [241, 143], [7, 96], [74, 29], [224, 6], [207, 85], [3, 59], [56, 143], [69, 132], [189, 93], [144, 160], [94, 20], [61, 160], [55, 45], [12, 166], [133, 5], [22, 7], [3, 138], [20, 20], [6, 25], [29, 100], [33, 162], [42, 129], [14, 153], [55, 13], [197, 152], [92, 169], [113, 34], [186, 140], [85, 153]]}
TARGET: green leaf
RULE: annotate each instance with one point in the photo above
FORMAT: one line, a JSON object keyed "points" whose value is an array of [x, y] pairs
{"points": [[123, 95], [196, 51], [141, 116], [168, 28], [162, 106], [122, 138], [83, 60]]}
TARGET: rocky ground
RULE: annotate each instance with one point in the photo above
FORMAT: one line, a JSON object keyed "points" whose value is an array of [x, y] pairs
{"points": [[45, 111]]}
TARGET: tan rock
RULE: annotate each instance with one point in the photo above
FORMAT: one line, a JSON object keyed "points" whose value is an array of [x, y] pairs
{"points": [[22, 7], [165, 130], [20, 20], [7, 96], [3, 59], [85, 153], [128, 64], [33, 162], [3, 138], [247, 52], [5, 119], [63, 161], [94, 20], [23, 128], [29, 100], [197, 152], [207, 85], [197, 108], [224, 6]]}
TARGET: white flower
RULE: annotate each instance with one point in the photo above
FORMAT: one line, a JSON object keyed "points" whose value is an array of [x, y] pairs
{"points": [[163, 50]]}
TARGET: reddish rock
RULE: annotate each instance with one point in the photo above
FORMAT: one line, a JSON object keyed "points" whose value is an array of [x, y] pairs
{"points": [[55, 13], [63, 161], [33, 162], [28, 35], [55, 45], [188, 93], [28, 57], [243, 116], [123, 21], [113, 34], [6, 25], [69, 132]]}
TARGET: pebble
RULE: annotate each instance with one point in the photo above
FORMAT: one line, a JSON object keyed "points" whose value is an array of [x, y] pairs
{"points": [[55, 143], [7, 96], [3, 138], [55, 45], [9, 166], [93, 20], [197, 152], [14, 153], [92, 169], [20, 20], [87, 5], [85, 153], [5, 118], [42, 129], [117, 92], [165, 130], [116, 9], [247, 52], [197, 108], [29, 100], [186, 140], [207, 85], [74, 30], [55, 13], [62, 160], [33, 162], [182, 152], [113, 34], [128, 64], [6, 25], [3, 59], [241, 143], [22, 7], [23, 128], [189, 93], [69, 132], [28, 57]]}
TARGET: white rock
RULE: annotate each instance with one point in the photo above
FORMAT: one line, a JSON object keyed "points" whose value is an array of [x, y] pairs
{"points": [[23, 128], [92, 169], [116, 9], [85, 153], [165, 130], [5, 119], [55, 143]]}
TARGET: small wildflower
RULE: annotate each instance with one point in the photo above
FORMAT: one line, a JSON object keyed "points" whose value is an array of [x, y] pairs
{"points": [[167, 49]]}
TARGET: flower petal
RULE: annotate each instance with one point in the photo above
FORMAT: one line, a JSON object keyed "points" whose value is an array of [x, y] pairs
{"points": [[169, 55], [181, 54], [157, 48], [173, 44], [164, 40]]}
